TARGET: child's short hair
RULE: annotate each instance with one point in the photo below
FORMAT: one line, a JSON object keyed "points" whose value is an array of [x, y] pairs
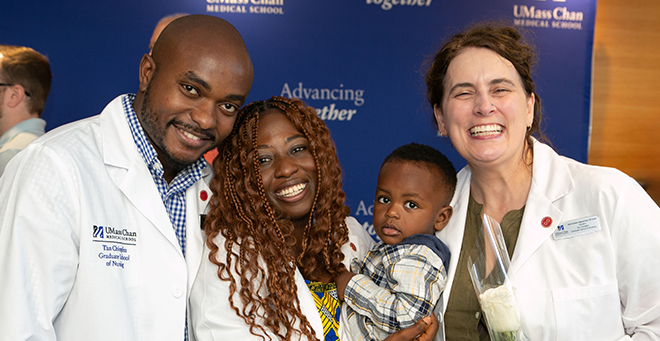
{"points": [[430, 157]]}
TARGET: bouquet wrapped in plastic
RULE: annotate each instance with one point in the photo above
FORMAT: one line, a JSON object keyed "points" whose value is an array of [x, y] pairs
{"points": [[488, 264]]}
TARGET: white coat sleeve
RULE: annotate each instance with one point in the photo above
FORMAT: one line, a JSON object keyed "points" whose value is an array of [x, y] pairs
{"points": [[39, 244], [359, 243], [636, 237]]}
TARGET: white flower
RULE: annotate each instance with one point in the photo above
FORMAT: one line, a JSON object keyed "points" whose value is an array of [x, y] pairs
{"points": [[500, 308]]}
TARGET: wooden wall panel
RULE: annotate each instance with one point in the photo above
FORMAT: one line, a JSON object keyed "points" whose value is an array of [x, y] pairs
{"points": [[626, 90]]}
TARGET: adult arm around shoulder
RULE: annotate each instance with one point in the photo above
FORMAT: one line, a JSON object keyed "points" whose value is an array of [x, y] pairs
{"points": [[422, 330]]}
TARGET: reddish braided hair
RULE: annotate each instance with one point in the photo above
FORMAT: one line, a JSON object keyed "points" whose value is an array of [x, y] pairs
{"points": [[259, 265]]}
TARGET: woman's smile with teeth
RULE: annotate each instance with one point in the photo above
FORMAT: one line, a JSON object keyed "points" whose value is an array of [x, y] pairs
{"points": [[489, 129], [291, 191]]}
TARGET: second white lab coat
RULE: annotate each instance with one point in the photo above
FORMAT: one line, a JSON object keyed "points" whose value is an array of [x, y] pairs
{"points": [[87, 250], [215, 320], [599, 286]]}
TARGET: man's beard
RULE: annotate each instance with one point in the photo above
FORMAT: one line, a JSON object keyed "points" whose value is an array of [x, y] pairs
{"points": [[150, 120]]}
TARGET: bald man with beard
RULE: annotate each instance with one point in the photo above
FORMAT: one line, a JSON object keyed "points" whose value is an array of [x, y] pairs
{"points": [[100, 220]]}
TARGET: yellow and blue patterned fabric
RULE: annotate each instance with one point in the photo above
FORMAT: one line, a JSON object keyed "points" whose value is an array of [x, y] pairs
{"points": [[328, 305]]}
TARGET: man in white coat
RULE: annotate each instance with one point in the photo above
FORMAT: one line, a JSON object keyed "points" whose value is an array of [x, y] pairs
{"points": [[100, 220]]}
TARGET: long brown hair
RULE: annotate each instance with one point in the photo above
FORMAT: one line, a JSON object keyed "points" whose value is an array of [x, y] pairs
{"points": [[257, 239]]}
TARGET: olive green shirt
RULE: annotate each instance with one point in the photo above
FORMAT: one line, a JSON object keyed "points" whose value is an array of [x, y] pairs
{"points": [[463, 317]]}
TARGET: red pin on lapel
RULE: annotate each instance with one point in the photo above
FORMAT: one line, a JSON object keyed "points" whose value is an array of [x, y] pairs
{"points": [[546, 222], [203, 195]]}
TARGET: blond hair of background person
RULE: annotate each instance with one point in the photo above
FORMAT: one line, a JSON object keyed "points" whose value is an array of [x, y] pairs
{"points": [[25, 78]]}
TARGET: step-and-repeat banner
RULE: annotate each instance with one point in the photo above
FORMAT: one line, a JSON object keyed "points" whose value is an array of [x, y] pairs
{"points": [[360, 63]]}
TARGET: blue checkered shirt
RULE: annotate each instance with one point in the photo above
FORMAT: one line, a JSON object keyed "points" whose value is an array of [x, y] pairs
{"points": [[395, 286], [173, 194]]}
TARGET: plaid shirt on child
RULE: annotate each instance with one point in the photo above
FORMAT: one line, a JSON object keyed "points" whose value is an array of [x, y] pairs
{"points": [[396, 286]]}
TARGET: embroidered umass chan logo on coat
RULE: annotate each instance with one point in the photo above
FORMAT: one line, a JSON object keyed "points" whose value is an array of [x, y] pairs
{"points": [[108, 234]]}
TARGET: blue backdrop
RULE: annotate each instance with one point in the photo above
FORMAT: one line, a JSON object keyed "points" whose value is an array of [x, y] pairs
{"points": [[359, 62]]}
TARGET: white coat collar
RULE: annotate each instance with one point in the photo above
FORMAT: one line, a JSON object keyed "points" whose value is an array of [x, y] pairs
{"points": [[131, 175], [551, 180]]}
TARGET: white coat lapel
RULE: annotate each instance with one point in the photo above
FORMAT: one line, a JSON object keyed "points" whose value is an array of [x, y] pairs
{"points": [[551, 181], [532, 232], [452, 234], [197, 202], [128, 170], [140, 189]]}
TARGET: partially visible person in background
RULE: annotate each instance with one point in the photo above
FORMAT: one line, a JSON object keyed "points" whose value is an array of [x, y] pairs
{"points": [[24, 86], [160, 26]]}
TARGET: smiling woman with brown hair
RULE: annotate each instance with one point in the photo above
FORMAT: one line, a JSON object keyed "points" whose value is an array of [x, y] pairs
{"points": [[582, 239]]}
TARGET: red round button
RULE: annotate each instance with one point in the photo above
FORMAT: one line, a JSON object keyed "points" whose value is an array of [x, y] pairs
{"points": [[203, 195], [546, 222]]}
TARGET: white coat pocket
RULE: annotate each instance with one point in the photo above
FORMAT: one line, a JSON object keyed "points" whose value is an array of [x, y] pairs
{"points": [[588, 313]]}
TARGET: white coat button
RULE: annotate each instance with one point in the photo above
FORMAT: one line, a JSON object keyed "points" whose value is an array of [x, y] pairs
{"points": [[177, 292], [477, 315]]}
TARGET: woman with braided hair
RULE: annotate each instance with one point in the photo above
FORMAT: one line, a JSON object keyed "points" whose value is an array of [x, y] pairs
{"points": [[278, 232]]}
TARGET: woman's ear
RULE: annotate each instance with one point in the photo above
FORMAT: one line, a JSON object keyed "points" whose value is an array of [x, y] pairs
{"points": [[437, 112], [443, 218], [530, 109]]}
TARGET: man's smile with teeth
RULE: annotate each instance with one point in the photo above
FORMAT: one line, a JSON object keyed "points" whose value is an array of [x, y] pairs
{"points": [[291, 191], [489, 129], [192, 133], [190, 136]]}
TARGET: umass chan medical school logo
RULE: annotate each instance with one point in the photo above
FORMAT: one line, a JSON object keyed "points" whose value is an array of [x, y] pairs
{"points": [[245, 6], [553, 14], [109, 234]]}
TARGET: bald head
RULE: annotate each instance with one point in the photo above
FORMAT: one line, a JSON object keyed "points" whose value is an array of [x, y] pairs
{"points": [[202, 39], [192, 32], [191, 87]]}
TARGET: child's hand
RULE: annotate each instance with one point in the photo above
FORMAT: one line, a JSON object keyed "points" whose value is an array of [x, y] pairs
{"points": [[342, 281]]}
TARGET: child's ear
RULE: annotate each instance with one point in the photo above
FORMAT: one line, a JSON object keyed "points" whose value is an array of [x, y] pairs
{"points": [[443, 218]]}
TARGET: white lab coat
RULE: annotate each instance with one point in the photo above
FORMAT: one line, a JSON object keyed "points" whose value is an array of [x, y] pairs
{"points": [[600, 286], [60, 277], [214, 319]]}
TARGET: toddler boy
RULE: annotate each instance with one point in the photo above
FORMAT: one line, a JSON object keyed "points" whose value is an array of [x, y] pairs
{"points": [[402, 278]]}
